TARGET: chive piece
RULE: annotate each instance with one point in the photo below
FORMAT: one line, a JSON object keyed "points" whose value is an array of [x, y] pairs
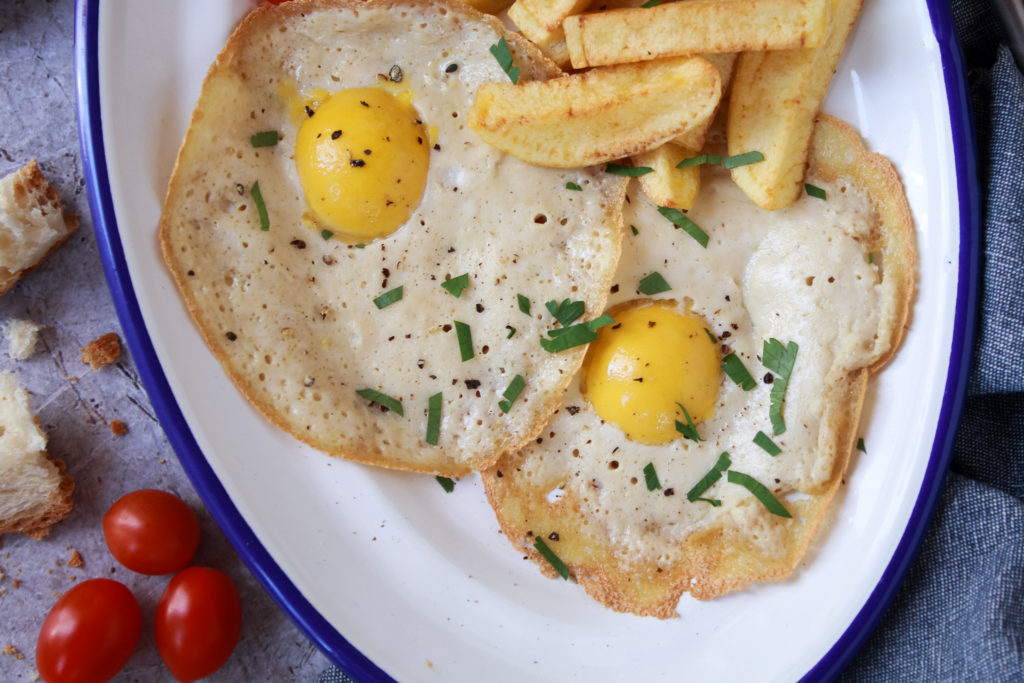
{"points": [[573, 186], [326, 234], [465, 340], [745, 159], [815, 191], [651, 477], [456, 285], [566, 312], [374, 396], [389, 297], [504, 56], [633, 228], [688, 430], [563, 338], [703, 159], [359, 246], [765, 442], [515, 387], [447, 484], [511, 331], [524, 303], [711, 336], [779, 359], [860, 445], [737, 371], [760, 492], [261, 208], [549, 555], [651, 3], [871, 257], [709, 479], [681, 220], [715, 503], [627, 171], [433, 419], [654, 284], [267, 138]]}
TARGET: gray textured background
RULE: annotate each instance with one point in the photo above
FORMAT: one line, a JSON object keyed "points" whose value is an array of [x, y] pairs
{"points": [[69, 296]]}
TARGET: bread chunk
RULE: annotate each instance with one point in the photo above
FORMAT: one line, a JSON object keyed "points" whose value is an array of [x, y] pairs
{"points": [[33, 223], [22, 337], [35, 491]]}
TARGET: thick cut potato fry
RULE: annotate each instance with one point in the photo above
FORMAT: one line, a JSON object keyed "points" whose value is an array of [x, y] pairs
{"points": [[541, 20], [775, 98], [488, 6], [694, 138], [599, 115], [668, 185], [693, 27]]}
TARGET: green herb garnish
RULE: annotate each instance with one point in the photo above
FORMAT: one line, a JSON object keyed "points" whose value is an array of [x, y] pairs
{"points": [[702, 160], [389, 297], [359, 246], [765, 442], [711, 336], [447, 484], [504, 56], [745, 159], [681, 220], [326, 234], [651, 3], [651, 477], [627, 171], [383, 400], [633, 228], [462, 331], [737, 371], [524, 303], [563, 338], [573, 186], [779, 359], [815, 191], [456, 285], [687, 429], [760, 492], [860, 445], [549, 555], [515, 387], [434, 420], [565, 312], [654, 284], [267, 138], [709, 479], [511, 331], [261, 207]]}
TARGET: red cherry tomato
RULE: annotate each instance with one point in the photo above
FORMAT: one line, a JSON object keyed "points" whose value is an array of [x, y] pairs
{"points": [[151, 532], [90, 634], [198, 622]]}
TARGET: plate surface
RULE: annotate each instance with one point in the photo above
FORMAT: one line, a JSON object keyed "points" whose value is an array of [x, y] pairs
{"points": [[392, 577]]}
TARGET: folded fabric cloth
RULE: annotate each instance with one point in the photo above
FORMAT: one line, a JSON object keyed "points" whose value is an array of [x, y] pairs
{"points": [[960, 612]]}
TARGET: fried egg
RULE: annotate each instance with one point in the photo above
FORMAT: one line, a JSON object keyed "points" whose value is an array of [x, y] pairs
{"points": [[371, 275], [712, 422]]}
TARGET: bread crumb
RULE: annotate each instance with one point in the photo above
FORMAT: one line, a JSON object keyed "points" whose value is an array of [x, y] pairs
{"points": [[12, 651], [76, 560], [22, 337], [118, 428], [102, 351]]}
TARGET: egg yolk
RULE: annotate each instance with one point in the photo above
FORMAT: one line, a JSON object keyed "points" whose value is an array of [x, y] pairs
{"points": [[650, 360], [362, 160]]}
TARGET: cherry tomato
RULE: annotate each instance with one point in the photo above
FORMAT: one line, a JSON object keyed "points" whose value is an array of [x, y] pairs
{"points": [[151, 532], [198, 621], [90, 634]]}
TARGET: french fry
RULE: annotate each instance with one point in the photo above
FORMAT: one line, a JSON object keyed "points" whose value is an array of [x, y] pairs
{"points": [[488, 6], [694, 138], [775, 98], [693, 27], [598, 115], [541, 20], [668, 185], [557, 53]]}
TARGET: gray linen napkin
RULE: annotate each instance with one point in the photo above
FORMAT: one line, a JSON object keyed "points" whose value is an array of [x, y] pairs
{"points": [[960, 613]]}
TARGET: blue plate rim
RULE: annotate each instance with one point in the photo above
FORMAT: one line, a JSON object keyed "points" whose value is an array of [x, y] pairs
{"points": [[258, 559]]}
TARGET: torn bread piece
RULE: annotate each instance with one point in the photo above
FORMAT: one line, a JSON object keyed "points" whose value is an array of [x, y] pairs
{"points": [[35, 490], [33, 223]]}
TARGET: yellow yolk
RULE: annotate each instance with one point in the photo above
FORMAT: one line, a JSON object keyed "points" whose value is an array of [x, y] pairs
{"points": [[652, 358], [362, 160]]}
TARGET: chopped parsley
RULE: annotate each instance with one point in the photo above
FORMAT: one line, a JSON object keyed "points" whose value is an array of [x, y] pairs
{"points": [[549, 555], [760, 492], [654, 284], [779, 359], [446, 483], [566, 311], [633, 228], [383, 400], [524, 303], [515, 387], [563, 338], [326, 234], [389, 297], [737, 371], [573, 186], [456, 285], [860, 445], [685, 223], [504, 56]]}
